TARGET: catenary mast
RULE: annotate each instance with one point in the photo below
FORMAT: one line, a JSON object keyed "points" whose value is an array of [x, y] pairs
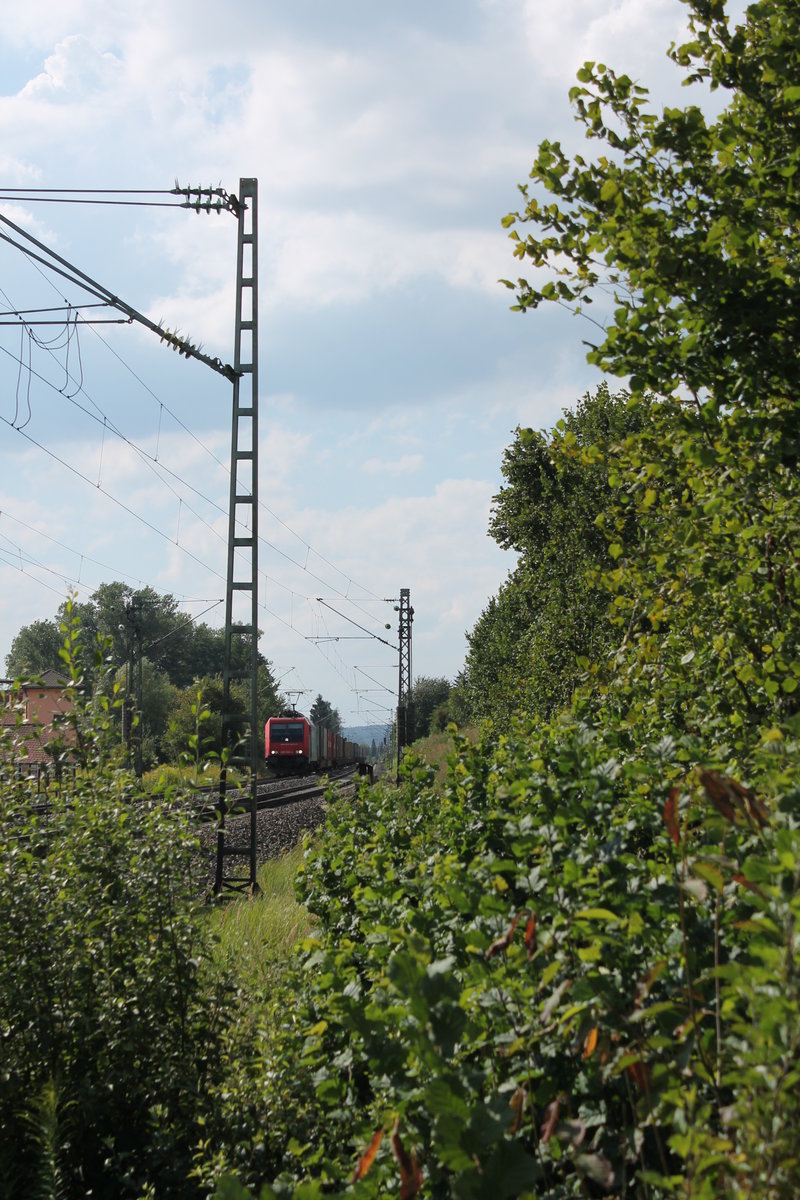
{"points": [[236, 860]]}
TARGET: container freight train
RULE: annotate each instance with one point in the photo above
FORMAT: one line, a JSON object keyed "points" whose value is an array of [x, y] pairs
{"points": [[293, 745]]}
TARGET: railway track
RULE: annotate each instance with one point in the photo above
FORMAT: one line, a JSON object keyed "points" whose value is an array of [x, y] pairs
{"points": [[276, 793], [285, 815], [286, 811]]}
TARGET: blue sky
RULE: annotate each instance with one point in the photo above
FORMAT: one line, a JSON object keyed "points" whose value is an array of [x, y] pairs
{"points": [[388, 141]]}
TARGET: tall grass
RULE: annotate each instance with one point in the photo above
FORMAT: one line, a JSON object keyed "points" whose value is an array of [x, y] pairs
{"points": [[435, 749], [167, 775], [257, 935]]}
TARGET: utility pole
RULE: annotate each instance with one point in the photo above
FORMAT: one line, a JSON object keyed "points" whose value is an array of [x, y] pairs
{"points": [[241, 737], [136, 607], [405, 706], [132, 712]]}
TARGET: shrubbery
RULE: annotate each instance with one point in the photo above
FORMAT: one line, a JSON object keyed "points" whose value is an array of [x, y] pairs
{"points": [[109, 1018], [575, 974]]}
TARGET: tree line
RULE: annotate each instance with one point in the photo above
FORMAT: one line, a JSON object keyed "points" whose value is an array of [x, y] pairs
{"points": [[181, 658]]}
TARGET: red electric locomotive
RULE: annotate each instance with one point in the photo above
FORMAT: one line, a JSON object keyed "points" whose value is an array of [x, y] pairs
{"points": [[286, 744], [292, 746]]}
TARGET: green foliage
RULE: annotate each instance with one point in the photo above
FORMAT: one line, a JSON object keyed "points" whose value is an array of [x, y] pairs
{"points": [[535, 640], [256, 935], [323, 713], [207, 695], [178, 657], [108, 1015], [159, 697], [427, 694], [184, 650], [692, 222], [574, 972], [574, 969], [571, 971], [35, 649], [168, 778]]}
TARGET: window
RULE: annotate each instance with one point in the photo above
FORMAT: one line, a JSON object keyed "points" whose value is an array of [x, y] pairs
{"points": [[286, 731]]}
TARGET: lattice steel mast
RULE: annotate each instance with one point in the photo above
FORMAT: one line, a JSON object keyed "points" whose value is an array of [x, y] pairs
{"points": [[236, 862], [405, 706]]}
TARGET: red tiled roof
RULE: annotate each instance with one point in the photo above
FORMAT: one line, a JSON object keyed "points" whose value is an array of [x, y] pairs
{"points": [[28, 741]]}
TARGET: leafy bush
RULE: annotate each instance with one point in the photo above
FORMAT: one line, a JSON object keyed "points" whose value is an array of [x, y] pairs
{"points": [[572, 975], [108, 1017]]}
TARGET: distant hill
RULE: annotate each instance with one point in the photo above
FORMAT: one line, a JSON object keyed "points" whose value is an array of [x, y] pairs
{"points": [[364, 734]]}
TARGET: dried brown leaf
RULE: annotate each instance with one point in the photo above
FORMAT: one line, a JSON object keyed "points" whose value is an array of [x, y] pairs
{"points": [[589, 1043], [640, 1074], [502, 943], [368, 1157], [410, 1174], [550, 1120], [744, 882], [732, 799], [530, 935], [671, 816]]}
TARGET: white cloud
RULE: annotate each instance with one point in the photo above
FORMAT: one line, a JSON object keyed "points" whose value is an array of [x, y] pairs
{"points": [[29, 221], [313, 260], [625, 34], [324, 259], [406, 465], [18, 170], [74, 70]]}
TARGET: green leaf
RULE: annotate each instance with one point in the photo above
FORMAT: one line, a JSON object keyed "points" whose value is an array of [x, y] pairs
{"points": [[710, 873], [596, 914]]}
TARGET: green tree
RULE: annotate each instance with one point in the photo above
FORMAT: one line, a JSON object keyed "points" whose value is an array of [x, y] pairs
{"points": [[35, 648], [536, 638], [127, 618], [210, 690], [427, 692], [323, 713], [693, 224], [159, 698]]}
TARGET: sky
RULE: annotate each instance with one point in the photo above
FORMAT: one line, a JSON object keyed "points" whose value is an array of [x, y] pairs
{"points": [[388, 141]]}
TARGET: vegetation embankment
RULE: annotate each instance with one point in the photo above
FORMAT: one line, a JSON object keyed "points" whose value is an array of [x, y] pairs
{"points": [[568, 969], [256, 935]]}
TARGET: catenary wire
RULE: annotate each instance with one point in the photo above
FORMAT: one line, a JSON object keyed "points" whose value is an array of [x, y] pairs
{"points": [[77, 282], [31, 257]]}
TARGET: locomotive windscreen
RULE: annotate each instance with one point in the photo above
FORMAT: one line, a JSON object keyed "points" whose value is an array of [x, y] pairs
{"points": [[287, 731]]}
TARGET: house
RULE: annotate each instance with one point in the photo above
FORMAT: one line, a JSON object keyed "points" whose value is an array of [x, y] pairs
{"points": [[29, 718]]}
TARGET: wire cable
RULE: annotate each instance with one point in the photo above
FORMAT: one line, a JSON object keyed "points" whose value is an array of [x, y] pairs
{"points": [[308, 547], [80, 280]]}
